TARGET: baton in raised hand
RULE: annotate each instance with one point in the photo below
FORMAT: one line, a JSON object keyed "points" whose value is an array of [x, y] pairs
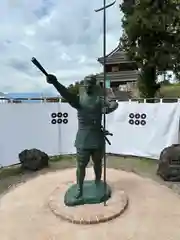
{"points": [[39, 66]]}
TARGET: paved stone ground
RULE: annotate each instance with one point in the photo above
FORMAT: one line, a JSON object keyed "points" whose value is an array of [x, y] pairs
{"points": [[153, 212]]}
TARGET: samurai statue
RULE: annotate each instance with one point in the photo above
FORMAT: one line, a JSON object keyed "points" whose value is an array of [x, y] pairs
{"points": [[90, 139]]}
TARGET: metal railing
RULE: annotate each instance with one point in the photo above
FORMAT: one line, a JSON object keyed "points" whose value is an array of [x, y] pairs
{"points": [[154, 100], [20, 100], [59, 99]]}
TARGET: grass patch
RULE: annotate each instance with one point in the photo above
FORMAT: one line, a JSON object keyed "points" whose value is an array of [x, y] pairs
{"points": [[171, 91], [142, 166], [10, 171], [15, 170], [66, 161], [62, 158]]}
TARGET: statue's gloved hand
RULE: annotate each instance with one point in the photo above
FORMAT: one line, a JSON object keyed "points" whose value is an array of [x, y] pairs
{"points": [[106, 132], [51, 79]]}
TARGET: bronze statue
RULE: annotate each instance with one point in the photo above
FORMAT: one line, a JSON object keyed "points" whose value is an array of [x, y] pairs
{"points": [[90, 138]]}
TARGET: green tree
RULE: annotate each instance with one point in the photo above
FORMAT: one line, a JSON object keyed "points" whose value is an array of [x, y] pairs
{"points": [[151, 37]]}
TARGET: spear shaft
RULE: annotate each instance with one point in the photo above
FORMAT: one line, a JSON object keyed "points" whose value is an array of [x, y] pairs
{"points": [[104, 81]]}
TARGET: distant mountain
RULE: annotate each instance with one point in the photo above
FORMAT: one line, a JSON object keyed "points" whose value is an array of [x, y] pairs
{"points": [[2, 94], [15, 95]]}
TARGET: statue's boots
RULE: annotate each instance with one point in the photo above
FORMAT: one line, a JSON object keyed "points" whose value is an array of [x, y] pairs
{"points": [[97, 181], [79, 193], [98, 173]]}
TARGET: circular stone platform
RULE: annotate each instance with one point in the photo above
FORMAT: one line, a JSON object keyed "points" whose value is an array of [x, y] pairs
{"points": [[88, 213], [153, 212]]}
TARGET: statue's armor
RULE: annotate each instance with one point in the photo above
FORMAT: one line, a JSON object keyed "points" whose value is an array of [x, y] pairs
{"points": [[90, 134], [89, 109]]}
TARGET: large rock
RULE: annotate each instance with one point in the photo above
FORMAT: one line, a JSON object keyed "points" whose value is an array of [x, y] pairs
{"points": [[33, 159], [169, 163]]}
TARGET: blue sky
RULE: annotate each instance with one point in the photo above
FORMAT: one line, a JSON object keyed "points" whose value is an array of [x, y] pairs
{"points": [[65, 36]]}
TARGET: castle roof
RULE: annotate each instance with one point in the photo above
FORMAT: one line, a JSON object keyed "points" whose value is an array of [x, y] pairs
{"points": [[116, 56]]}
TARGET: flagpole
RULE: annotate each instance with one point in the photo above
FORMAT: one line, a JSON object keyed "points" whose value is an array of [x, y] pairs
{"points": [[104, 80]]}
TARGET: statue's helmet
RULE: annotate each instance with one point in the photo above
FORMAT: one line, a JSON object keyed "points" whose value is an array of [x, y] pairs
{"points": [[90, 85]]}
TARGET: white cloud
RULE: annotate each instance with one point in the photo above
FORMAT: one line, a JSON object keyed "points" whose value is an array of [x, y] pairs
{"points": [[65, 36]]}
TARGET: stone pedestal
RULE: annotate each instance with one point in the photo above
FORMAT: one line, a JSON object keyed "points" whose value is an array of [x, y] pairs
{"points": [[92, 194]]}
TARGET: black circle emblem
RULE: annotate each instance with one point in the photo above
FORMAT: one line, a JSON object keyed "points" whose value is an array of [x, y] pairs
{"points": [[131, 115], [137, 122], [53, 115], [65, 115], [131, 121], [143, 116], [53, 121], [59, 114], [137, 115], [143, 122], [65, 121], [59, 121]]}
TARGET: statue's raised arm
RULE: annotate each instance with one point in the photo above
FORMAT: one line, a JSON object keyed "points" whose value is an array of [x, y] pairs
{"points": [[71, 98]]}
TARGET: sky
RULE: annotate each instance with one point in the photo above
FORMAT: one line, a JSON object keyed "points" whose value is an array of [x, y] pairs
{"points": [[64, 35]]}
